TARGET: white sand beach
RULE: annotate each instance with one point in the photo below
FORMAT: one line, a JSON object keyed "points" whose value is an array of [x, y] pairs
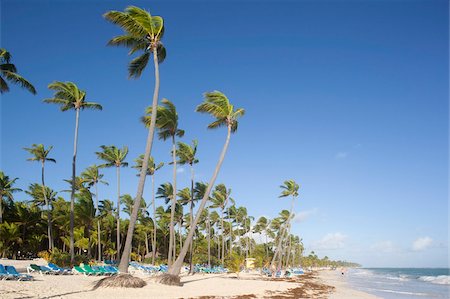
{"points": [[327, 284]]}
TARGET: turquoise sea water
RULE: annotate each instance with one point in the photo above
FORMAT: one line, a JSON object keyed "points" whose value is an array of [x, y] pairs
{"points": [[395, 283]]}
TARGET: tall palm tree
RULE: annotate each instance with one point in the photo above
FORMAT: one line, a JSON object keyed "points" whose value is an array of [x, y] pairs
{"points": [[220, 200], [8, 72], [167, 124], [143, 32], [290, 188], [6, 190], [218, 105], [151, 169], [40, 154], [70, 97], [92, 177], [115, 157], [43, 196], [186, 155]]}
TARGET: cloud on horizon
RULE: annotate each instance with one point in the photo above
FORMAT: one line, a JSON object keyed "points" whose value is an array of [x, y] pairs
{"points": [[302, 216], [180, 169], [331, 241], [422, 243]]}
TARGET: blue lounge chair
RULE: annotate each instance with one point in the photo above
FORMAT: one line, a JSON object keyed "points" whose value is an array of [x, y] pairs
{"points": [[112, 269], [59, 269], [4, 274], [12, 271]]}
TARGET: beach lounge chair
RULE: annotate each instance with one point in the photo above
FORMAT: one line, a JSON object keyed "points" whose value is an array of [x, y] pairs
{"points": [[21, 277], [89, 270], [38, 269], [112, 269], [101, 270], [4, 275], [59, 269]]}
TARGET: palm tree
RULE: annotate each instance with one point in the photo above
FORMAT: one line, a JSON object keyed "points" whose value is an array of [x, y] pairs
{"points": [[84, 214], [92, 177], [69, 97], [8, 72], [167, 124], [218, 105], [186, 155], [143, 32], [115, 157], [262, 226], [40, 154], [290, 188], [6, 190], [220, 200], [151, 169], [42, 196]]}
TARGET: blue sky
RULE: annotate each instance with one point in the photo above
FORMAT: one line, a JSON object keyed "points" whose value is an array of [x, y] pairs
{"points": [[349, 98]]}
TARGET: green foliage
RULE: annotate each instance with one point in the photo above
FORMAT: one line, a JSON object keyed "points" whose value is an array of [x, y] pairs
{"points": [[235, 263], [8, 72], [62, 259]]}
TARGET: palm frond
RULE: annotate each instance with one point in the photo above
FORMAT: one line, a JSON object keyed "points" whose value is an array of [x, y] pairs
{"points": [[17, 79], [137, 65]]}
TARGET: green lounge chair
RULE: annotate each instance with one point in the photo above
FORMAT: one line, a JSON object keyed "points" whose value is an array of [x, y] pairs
{"points": [[38, 269], [89, 270]]}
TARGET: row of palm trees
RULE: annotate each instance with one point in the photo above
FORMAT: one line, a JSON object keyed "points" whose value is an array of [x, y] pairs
{"points": [[143, 33], [233, 223]]}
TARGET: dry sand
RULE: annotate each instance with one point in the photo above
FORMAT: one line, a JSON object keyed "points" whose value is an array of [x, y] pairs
{"points": [[250, 285]]}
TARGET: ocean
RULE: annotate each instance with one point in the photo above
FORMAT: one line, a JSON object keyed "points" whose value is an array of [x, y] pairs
{"points": [[401, 283]]}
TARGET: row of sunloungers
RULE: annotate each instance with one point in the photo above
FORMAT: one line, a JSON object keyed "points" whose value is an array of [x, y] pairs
{"points": [[287, 273], [81, 269], [152, 270], [210, 270], [10, 273]]}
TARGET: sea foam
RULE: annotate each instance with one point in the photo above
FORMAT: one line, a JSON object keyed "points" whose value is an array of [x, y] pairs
{"points": [[441, 279]]}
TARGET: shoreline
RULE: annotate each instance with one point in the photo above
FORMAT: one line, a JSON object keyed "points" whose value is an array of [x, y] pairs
{"points": [[318, 284]]}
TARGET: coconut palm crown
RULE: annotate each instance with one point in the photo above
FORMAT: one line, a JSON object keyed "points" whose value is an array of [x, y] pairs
{"points": [[69, 96], [166, 120], [218, 105], [8, 72], [152, 167], [143, 32], [290, 188]]}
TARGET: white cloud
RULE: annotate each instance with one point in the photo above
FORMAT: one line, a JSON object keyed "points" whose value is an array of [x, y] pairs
{"points": [[422, 243], [341, 155], [331, 241], [302, 216], [180, 170]]}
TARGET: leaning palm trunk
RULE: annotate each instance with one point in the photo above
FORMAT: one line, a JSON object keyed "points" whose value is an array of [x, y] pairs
{"points": [[49, 213], [118, 213], [191, 216], [123, 266], [172, 248], [72, 193], [208, 226], [176, 267], [278, 251], [154, 221]]}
